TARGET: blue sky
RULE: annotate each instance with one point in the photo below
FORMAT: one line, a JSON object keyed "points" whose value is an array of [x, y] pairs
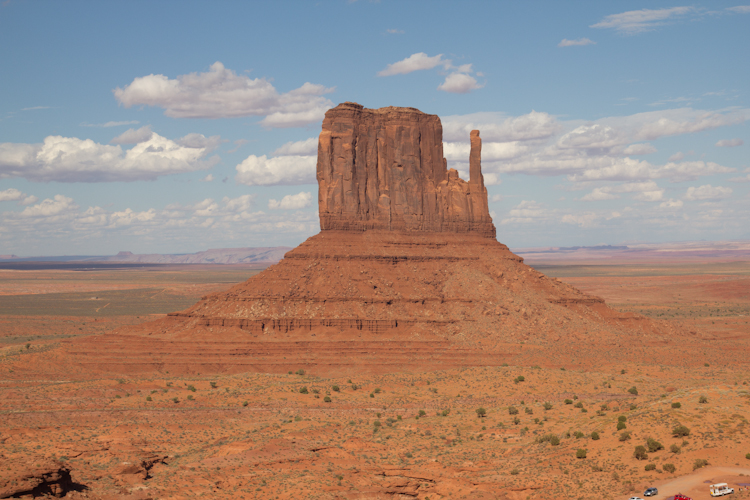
{"points": [[175, 127]]}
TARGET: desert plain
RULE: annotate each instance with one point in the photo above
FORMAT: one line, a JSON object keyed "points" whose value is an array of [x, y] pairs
{"points": [[535, 426]]}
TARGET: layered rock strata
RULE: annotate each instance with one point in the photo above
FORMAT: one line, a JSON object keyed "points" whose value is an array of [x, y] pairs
{"points": [[405, 275], [384, 169]]}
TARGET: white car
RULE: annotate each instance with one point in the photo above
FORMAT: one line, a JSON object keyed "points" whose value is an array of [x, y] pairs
{"points": [[635, 498]]}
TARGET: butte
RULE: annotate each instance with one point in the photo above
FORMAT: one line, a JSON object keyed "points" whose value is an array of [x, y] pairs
{"points": [[405, 274]]}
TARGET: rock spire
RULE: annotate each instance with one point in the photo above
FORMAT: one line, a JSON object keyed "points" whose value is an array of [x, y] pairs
{"points": [[384, 169]]}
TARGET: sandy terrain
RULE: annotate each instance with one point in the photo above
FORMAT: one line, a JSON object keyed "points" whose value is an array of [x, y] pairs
{"points": [[259, 435]]}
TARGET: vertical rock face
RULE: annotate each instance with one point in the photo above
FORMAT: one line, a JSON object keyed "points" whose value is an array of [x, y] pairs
{"points": [[384, 169]]}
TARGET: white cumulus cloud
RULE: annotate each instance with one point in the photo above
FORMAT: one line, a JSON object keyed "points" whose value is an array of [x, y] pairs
{"points": [[291, 202], [221, 93], [639, 21], [58, 205], [415, 62], [572, 43], [730, 143], [69, 159], [459, 83], [299, 148], [707, 193], [264, 171], [133, 136]]}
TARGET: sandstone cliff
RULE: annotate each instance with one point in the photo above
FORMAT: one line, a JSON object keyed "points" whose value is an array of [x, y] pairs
{"points": [[384, 169]]}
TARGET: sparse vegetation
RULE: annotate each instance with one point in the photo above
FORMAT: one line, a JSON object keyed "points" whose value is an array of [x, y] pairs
{"points": [[676, 405], [633, 390], [621, 426], [595, 436], [699, 463], [703, 400], [481, 412], [650, 467], [580, 453], [512, 410], [681, 431], [624, 436], [640, 453], [669, 468], [547, 405], [653, 445]]}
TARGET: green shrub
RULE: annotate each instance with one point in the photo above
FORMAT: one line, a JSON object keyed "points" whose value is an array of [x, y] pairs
{"points": [[622, 418], [327, 399], [581, 453], [300, 372], [377, 390], [245, 403], [633, 391], [595, 436], [422, 413], [528, 411], [578, 434], [175, 399], [213, 385], [699, 463], [640, 453], [514, 472], [578, 405], [335, 388], [372, 394], [674, 448], [676, 405], [747, 455], [148, 398], [519, 378], [547, 405], [621, 426], [653, 445], [681, 431], [568, 401], [516, 420], [377, 423], [703, 400], [554, 440], [298, 418], [481, 412], [443, 413], [624, 436], [408, 454], [650, 467], [191, 388], [512, 410], [303, 390], [669, 468]]}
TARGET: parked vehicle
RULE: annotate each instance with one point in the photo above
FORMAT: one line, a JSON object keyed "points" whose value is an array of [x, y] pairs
{"points": [[680, 496], [635, 498], [651, 492], [720, 489]]}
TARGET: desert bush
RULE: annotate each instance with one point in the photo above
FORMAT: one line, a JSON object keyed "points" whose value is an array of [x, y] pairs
{"points": [[245, 403], [604, 407], [481, 412], [191, 388], [568, 401], [650, 467], [303, 390], [316, 391], [327, 399], [622, 418], [547, 405], [355, 387], [595, 436], [336, 388], [676, 405], [519, 378], [578, 405], [300, 372], [514, 472], [377, 390], [554, 440], [703, 400], [528, 411], [747, 455], [148, 398], [213, 385], [633, 391], [516, 420], [372, 394], [512, 410], [699, 463], [621, 426], [445, 413], [640, 453], [674, 448], [190, 397], [298, 418], [580, 453], [578, 434], [669, 468], [176, 399], [653, 445], [681, 431], [422, 413], [377, 423]]}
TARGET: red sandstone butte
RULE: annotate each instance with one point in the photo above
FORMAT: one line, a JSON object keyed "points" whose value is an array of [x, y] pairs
{"points": [[384, 169], [406, 274]]}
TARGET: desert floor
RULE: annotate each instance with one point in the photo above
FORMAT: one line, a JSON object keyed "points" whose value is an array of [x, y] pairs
{"points": [[297, 435]]}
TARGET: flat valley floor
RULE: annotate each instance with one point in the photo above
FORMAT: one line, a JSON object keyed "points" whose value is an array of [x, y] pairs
{"points": [[515, 432]]}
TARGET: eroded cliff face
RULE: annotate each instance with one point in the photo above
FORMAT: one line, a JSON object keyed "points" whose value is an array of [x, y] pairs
{"points": [[384, 169]]}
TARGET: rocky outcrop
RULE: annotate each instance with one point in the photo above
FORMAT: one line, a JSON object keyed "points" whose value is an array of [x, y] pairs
{"points": [[384, 169]]}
